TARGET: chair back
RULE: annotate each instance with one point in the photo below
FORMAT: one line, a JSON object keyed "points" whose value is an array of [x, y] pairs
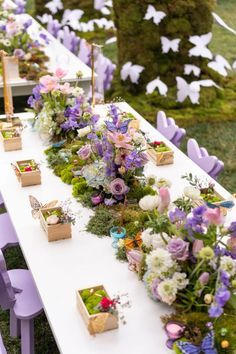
{"points": [[2, 347], [7, 295], [167, 127]]}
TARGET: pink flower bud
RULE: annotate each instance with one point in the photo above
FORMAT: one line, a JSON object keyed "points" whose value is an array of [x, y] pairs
{"points": [[197, 246], [204, 278]]}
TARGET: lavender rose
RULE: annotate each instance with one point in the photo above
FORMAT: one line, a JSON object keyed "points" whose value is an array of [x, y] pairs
{"points": [[19, 53], [178, 249], [118, 187], [85, 152]]}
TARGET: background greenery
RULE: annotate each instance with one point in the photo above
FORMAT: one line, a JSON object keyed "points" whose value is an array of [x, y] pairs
{"points": [[213, 126]]}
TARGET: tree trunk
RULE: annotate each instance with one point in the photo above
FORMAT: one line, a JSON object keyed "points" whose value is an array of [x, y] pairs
{"points": [[139, 40]]}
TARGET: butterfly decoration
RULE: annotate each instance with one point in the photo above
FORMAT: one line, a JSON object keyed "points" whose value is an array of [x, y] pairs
{"points": [[206, 347], [200, 49], [58, 144], [45, 18], [170, 44], [133, 243], [122, 127], [157, 83], [36, 205], [234, 65], [189, 68], [71, 18], [99, 4], [111, 40], [228, 204], [222, 23], [54, 6], [152, 13], [191, 90], [220, 64], [131, 71]]}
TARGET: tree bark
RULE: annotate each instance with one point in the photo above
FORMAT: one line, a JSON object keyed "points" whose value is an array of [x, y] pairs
{"points": [[139, 40]]}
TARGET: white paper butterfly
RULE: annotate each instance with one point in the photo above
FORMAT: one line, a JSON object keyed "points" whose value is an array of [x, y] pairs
{"points": [[86, 26], [104, 23], [99, 4], [132, 71], [54, 6], [157, 83], [191, 90], [234, 65], [111, 40], [189, 68], [220, 64], [222, 23], [170, 44], [71, 18], [200, 49], [45, 18], [152, 13]]}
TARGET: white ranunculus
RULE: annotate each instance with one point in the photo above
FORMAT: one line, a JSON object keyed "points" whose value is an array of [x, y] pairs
{"points": [[83, 131], [149, 202], [192, 192]]}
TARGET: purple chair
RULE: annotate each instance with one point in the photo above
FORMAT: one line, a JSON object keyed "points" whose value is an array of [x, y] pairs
{"points": [[8, 236], [2, 347], [168, 128], [18, 293], [200, 156]]}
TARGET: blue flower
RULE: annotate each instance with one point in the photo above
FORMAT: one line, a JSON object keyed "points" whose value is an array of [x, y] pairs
{"points": [[222, 296], [215, 311], [177, 215]]}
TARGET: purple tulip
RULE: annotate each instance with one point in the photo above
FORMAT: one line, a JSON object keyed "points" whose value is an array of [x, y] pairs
{"points": [[179, 249], [204, 278]]}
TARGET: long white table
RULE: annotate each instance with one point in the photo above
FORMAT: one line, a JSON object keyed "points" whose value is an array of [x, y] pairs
{"points": [[59, 56], [59, 268]]}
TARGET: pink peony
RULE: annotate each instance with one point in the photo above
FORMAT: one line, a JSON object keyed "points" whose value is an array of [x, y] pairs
{"points": [[49, 83], [121, 140], [60, 73], [214, 216]]}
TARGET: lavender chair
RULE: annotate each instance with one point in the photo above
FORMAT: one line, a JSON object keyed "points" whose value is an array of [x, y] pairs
{"points": [[200, 156], [18, 293], [2, 347], [8, 236], [169, 129]]}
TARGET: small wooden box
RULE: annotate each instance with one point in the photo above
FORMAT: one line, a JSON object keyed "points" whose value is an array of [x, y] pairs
{"points": [[99, 322], [54, 232], [8, 123], [11, 144], [160, 158], [202, 202], [29, 178]]}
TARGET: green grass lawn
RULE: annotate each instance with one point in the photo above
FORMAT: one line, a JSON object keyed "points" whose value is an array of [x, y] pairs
{"points": [[214, 127]]}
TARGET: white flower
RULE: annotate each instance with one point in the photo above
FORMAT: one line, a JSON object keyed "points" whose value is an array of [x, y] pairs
{"points": [[158, 242], [160, 262], [83, 131], [149, 202], [163, 182], [228, 265], [146, 236], [167, 290], [138, 138], [180, 280], [28, 56], [77, 91], [192, 192]]}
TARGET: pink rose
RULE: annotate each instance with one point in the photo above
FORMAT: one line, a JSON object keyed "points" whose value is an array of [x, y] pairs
{"points": [[60, 73]]}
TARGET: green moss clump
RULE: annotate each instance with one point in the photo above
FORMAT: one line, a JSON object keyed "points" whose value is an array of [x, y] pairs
{"points": [[91, 301], [138, 191], [79, 188], [102, 221]]}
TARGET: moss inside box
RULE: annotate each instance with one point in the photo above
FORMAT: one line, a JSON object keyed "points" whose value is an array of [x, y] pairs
{"points": [[91, 299]]}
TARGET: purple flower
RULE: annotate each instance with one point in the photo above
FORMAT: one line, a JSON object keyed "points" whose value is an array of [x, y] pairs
{"points": [[70, 124], [53, 27], [85, 152], [199, 211], [222, 296], [20, 9], [178, 249], [177, 215], [19, 53], [27, 24], [204, 278], [196, 223], [215, 311], [135, 160], [109, 201], [224, 278], [114, 114], [154, 289], [31, 102], [36, 92], [118, 187], [232, 229], [45, 38]]}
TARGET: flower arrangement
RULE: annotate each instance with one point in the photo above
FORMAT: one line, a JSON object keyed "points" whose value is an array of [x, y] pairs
{"points": [[15, 41], [187, 260], [60, 109]]}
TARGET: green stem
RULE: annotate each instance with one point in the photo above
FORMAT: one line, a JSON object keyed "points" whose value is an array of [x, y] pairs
{"points": [[197, 268]]}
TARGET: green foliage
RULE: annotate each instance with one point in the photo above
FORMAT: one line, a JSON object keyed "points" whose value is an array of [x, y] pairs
{"points": [[102, 221], [80, 187], [138, 191], [92, 301]]}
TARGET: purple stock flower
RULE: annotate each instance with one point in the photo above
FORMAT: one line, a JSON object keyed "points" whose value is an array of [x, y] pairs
{"points": [[199, 211], [232, 229], [222, 296], [53, 27], [135, 160], [20, 9], [215, 311], [31, 102], [27, 24], [224, 278], [177, 215], [36, 92], [45, 38], [178, 249], [114, 113]]}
